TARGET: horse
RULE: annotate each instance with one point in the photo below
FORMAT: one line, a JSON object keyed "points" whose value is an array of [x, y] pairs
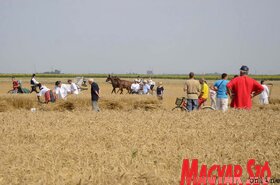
{"points": [[114, 83], [124, 84], [118, 83]]}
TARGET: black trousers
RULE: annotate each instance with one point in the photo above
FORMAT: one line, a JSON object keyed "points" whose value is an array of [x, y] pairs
{"points": [[34, 88]]}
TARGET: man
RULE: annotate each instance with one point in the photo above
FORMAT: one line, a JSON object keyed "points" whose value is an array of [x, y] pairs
{"points": [[264, 95], [94, 95], [242, 89], [15, 85], [146, 87], [135, 87], [47, 93], [222, 95], [192, 88], [159, 91], [151, 83], [61, 90], [34, 83], [204, 93], [73, 87]]}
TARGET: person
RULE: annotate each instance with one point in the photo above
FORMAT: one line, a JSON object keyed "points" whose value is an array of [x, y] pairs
{"points": [[151, 83], [47, 93], [192, 89], [94, 95], [33, 83], [264, 95], [160, 90], [146, 87], [242, 89], [213, 95], [73, 87], [204, 93], [139, 79], [135, 87], [222, 95], [61, 90], [15, 85]]}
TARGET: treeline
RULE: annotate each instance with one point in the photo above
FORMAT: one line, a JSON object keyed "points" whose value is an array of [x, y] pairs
{"points": [[133, 76]]}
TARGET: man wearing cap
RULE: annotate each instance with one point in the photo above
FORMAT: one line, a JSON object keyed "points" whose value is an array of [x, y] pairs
{"points": [[146, 87], [242, 89], [192, 88]]}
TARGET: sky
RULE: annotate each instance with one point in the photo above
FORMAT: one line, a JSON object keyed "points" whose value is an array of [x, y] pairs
{"points": [[133, 36]]}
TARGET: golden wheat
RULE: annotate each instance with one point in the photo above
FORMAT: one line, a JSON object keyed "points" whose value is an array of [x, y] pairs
{"points": [[133, 140]]}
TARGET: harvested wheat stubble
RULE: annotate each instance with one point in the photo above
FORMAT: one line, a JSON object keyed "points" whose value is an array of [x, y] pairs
{"points": [[112, 147]]}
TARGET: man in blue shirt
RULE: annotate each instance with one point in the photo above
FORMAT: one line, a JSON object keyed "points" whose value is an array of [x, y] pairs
{"points": [[146, 87], [222, 95]]}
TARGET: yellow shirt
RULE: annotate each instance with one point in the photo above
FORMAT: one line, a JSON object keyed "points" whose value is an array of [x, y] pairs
{"points": [[205, 91]]}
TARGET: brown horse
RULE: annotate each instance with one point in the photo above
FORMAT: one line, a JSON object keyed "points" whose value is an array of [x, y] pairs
{"points": [[115, 84], [118, 83]]}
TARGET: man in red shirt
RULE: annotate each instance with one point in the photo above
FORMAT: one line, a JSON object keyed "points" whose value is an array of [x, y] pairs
{"points": [[15, 85], [242, 89]]}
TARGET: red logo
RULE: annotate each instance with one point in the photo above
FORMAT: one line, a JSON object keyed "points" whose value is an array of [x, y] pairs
{"points": [[224, 174]]}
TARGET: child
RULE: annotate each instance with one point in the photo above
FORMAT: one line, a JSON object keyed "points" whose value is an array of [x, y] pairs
{"points": [[160, 90]]}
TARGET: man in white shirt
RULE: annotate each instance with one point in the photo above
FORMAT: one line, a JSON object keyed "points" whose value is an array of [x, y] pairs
{"points": [[264, 95], [73, 88], [34, 83], [61, 90], [135, 87]]}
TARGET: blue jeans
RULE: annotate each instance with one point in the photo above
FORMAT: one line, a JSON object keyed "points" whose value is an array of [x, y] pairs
{"points": [[192, 104]]}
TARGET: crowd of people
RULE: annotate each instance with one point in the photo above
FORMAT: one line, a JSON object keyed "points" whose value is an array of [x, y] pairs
{"points": [[240, 91], [60, 91], [142, 87]]}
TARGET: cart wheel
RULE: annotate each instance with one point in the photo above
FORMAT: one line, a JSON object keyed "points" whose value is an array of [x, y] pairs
{"points": [[207, 108]]}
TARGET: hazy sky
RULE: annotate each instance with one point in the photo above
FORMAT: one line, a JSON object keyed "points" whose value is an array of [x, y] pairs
{"points": [[120, 36]]}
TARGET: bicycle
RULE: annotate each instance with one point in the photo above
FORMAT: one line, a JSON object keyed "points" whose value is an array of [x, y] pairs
{"points": [[182, 104]]}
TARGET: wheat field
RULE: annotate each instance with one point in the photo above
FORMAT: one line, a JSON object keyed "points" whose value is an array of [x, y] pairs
{"points": [[133, 140]]}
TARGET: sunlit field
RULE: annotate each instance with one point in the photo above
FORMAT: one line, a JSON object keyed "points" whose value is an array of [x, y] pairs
{"points": [[133, 140]]}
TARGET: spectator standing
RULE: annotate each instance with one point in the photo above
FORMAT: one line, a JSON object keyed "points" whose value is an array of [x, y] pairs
{"points": [[192, 89], [160, 90], [204, 93], [222, 94], [264, 96], [94, 95], [242, 89]]}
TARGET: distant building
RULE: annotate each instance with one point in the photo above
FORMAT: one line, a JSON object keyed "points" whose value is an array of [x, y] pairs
{"points": [[53, 72], [150, 72]]}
